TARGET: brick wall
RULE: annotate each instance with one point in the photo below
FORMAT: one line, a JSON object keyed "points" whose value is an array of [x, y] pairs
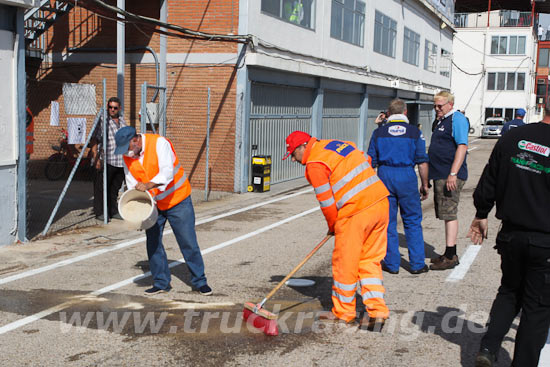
{"points": [[187, 84]]}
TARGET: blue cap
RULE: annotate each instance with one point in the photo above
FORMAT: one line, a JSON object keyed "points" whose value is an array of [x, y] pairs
{"points": [[521, 112], [122, 139]]}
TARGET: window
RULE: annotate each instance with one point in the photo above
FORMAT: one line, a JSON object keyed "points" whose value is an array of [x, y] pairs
{"points": [[430, 56], [506, 81], [507, 113], [508, 45], [301, 12], [347, 21], [385, 31], [543, 57], [411, 46], [445, 64]]}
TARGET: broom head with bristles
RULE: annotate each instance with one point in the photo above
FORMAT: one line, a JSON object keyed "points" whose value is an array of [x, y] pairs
{"points": [[261, 319]]}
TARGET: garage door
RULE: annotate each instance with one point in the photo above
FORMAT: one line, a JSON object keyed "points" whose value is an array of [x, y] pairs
{"points": [[275, 112], [341, 116]]}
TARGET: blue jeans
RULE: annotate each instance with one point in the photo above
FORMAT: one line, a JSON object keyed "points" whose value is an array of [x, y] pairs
{"points": [[182, 220], [403, 187]]}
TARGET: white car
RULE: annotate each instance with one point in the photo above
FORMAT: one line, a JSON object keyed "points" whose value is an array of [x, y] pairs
{"points": [[493, 127]]}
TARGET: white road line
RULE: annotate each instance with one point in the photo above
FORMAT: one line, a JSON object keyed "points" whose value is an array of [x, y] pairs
{"points": [[137, 240], [472, 148], [466, 260], [544, 360], [475, 140], [37, 316]]}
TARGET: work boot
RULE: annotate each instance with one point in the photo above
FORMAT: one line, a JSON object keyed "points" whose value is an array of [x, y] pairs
{"points": [[437, 259], [445, 263], [372, 323], [388, 270], [423, 269], [331, 317], [485, 358]]}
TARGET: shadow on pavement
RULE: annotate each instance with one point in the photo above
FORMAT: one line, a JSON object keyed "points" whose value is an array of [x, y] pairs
{"points": [[449, 324]]}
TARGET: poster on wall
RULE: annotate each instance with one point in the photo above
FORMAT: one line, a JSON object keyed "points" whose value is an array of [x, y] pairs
{"points": [[76, 127], [79, 99], [54, 114]]}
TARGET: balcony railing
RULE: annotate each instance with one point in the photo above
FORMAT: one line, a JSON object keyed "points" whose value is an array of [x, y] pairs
{"points": [[502, 18], [514, 18]]}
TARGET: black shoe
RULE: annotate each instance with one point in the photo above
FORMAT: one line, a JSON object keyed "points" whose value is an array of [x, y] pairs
{"points": [[155, 290], [386, 269], [205, 290], [485, 358], [424, 269]]}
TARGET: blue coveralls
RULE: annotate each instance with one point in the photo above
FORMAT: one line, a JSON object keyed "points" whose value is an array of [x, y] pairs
{"points": [[396, 148]]}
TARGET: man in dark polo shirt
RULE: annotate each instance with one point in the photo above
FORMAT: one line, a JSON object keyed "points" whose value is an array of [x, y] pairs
{"points": [[448, 170]]}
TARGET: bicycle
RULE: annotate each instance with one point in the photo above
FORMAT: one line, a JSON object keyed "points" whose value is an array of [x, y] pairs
{"points": [[65, 157]]}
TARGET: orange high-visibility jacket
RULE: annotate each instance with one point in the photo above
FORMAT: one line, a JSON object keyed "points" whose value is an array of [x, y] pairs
{"points": [[343, 179], [176, 191]]}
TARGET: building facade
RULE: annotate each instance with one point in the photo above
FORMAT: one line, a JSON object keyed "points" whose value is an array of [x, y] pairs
{"points": [[494, 65], [325, 67]]}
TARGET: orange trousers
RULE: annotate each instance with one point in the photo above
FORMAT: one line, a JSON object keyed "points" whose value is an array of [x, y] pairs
{"points": [[359, 246]]}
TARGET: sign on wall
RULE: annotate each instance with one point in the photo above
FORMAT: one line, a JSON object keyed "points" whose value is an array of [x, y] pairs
{"points": [[80, 99]]}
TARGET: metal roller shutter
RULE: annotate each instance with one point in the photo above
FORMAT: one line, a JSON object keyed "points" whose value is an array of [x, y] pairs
{"points": [[276, 111]]}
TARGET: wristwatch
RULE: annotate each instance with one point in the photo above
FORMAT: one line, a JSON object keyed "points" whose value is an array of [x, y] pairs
{"points": [[452, 174]]}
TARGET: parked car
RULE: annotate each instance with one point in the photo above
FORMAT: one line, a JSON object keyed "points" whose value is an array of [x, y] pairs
{"points": [[492, 128]]}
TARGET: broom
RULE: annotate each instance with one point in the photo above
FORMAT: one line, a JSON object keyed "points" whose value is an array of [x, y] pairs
{"points": [[264, 320]]}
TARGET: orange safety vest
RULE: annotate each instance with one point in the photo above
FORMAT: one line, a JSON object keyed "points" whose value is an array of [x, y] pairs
{"points": [[176, 191], [353, 184]]}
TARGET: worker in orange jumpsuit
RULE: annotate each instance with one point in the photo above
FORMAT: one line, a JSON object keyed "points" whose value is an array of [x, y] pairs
{"points": [[355, 205]]}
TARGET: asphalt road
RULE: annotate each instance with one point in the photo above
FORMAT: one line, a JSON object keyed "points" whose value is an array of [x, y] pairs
{"points": [[77, 299]]}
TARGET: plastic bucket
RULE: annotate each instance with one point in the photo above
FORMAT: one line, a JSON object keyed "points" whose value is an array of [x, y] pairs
{"points": [[138, 208]]}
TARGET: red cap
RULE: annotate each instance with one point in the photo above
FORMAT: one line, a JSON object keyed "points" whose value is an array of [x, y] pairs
{"points": [[294, 140]]}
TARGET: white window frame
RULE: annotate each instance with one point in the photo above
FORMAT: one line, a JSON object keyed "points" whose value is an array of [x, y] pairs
{"points": [[411, 47], [508, 42], [357, 21], [281, 13], [504, 77], [430, 56], [385, 32]]}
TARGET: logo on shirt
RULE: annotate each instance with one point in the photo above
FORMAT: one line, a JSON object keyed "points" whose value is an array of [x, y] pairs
{"points": [[534, 147], [397, 130], [340, 147]]}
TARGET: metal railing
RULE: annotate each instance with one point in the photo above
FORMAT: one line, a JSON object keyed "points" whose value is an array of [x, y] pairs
{"points": [[506, 18]]}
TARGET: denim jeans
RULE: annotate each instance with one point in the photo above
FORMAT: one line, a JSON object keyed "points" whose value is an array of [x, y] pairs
{"points": [[182, 220]]}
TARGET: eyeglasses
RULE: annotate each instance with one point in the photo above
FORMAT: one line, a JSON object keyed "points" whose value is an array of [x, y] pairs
{"points": [[440, 106], [113, 107]]}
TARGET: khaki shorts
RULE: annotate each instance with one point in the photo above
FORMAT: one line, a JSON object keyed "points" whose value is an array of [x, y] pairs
{"points": [[445, 201]]}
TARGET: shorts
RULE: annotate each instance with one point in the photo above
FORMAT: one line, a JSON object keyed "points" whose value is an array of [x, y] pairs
{"points": [[445, 201]]}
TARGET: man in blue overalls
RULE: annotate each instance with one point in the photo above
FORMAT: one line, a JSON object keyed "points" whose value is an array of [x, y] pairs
{"points": [[395, 148]]}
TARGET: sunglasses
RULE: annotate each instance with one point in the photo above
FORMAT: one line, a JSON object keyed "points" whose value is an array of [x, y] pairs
{"points": [[113, 107], [440, 106]]}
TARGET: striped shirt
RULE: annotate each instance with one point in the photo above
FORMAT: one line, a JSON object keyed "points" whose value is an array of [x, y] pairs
{"points": [[112, 128]]}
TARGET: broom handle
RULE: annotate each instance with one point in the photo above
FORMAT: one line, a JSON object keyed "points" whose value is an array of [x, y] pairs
{"points": [[294, 270]]}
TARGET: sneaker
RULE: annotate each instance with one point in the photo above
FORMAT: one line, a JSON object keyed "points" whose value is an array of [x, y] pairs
{"points": [[386, 269], [155, 290], [445, 263], [205, 290], [485, 358], [372, 324], [424, 269]]}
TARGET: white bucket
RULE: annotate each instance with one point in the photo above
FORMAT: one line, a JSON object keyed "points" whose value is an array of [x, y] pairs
{"points": [[138, 208]]}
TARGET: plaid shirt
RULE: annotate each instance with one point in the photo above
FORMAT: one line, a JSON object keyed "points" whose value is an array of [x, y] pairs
{"points": [[112, 127]]}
